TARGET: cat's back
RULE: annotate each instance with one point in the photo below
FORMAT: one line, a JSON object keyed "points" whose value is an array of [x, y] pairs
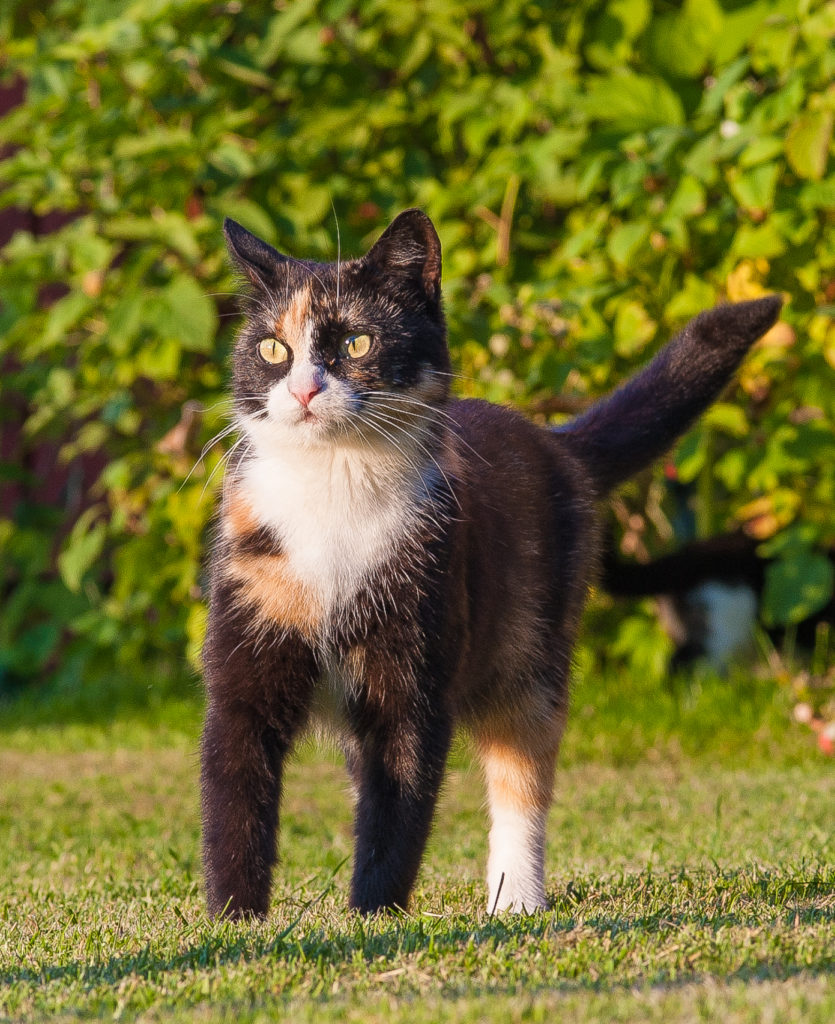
{"points": [[497, 441]]}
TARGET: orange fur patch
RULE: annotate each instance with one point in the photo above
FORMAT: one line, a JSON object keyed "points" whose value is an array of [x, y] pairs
{"points": [[516, 776], [238, 516], [276, 593], [290, 327]]}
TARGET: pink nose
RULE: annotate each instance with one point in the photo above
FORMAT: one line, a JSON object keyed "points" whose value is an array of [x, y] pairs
{"points": [[305, 391]]}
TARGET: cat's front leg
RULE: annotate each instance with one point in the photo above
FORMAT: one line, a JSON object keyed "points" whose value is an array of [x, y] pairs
{"points": [[397, 767], [259, 698]]}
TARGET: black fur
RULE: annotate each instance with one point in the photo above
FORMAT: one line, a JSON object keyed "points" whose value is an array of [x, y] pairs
{"points": [[248, 731]]}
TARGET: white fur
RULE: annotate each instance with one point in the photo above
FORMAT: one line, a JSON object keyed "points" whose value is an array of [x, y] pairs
{"points": [[339, 498], [339, 515], [515, 866]]}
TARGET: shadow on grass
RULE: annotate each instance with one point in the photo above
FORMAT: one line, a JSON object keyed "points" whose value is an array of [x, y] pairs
{"points": [[228, 943]]}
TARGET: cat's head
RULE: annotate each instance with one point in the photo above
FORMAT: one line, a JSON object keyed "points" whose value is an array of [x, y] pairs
{"points": [[350, 351]]}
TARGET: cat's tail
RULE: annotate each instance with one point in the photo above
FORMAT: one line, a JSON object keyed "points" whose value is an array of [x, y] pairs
{"points": [[623, 433]]}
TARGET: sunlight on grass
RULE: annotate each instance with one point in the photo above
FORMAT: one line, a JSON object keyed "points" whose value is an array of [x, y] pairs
{"points": [[685, 884]]}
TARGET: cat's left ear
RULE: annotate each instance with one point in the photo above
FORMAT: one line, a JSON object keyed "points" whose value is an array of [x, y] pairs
{"points": [[410, 247]]}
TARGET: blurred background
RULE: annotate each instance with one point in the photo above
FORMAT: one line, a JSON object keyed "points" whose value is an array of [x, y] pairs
{"points": [[599, 172]]}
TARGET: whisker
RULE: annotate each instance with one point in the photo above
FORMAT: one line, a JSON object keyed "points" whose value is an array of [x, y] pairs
{"points": [[410, 462], [404, 397], [241, 440], [424, 448], [338, 254], [223, 401], [206, 449], [231, 473], [453, 374]]}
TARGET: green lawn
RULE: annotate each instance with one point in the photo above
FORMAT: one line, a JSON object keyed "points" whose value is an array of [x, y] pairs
{"points": [[690, 866]]}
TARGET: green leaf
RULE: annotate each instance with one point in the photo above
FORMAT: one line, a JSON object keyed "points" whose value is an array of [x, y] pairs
{"points": [[755, 241], [690, 457], [62, 317], [754, 188], [632, 102], [728, 418], [691, 299], [625, 241], [818, 195], [739, 27], [683, 43], [125, 320], [233, 160], [807, 143], [81, 549], [687, 201], [187, 315], [796, 586], [633, 329]]}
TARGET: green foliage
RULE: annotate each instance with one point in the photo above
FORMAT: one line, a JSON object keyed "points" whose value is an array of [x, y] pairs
{"points": [[599, 172]]}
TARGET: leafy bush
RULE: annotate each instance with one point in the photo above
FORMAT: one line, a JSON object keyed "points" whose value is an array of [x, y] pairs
{"points": [[599, 172]]}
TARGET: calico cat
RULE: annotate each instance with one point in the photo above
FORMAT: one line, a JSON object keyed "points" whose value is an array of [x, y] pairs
{"points": [[395, 563]]}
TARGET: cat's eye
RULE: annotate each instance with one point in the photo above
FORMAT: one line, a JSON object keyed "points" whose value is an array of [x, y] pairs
{"points": [[273, 351], [356, 345]]}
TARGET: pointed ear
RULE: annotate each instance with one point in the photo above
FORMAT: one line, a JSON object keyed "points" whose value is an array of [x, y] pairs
{"points": [[410, 247], [252, 256]]}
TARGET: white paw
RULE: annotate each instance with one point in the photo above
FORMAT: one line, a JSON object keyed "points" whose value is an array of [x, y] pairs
{"points": [[516, 896]]}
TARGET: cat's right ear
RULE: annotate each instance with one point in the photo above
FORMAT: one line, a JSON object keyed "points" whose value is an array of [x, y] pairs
{"points": [[252, 256]]}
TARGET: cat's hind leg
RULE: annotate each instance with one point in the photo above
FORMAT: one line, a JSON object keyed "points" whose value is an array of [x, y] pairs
{"points": [[519, 773]]}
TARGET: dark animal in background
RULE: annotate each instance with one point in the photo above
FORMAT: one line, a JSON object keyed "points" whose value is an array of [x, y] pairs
{"points": [[394, 563], [710, 591]]}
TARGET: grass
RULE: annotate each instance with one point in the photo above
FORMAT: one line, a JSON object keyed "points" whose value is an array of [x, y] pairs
{"points": [[690, 866]]}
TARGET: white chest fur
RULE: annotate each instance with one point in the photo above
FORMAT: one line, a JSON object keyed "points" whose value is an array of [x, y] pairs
{"points": [[339, 513]]}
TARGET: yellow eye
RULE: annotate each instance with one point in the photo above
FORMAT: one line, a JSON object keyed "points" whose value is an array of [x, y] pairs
{"points": [[273, 351], [357, 345]]}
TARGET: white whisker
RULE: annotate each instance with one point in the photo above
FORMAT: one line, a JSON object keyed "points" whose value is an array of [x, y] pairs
{"points": [[406, 399], [396, 424], [206, 449], [338, 255], [241, 440]]}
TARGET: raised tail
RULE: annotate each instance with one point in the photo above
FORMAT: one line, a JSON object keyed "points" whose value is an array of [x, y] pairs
{"points": [[623, 433]]}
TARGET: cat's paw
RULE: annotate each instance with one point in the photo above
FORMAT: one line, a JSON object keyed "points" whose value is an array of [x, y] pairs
{"points": [[513, 896]]}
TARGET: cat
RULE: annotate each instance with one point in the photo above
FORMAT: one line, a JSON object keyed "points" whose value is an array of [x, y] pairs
{"points": [[395, 563]]}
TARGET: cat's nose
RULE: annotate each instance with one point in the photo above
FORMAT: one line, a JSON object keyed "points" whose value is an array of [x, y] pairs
{"points": [[306, 389]]}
